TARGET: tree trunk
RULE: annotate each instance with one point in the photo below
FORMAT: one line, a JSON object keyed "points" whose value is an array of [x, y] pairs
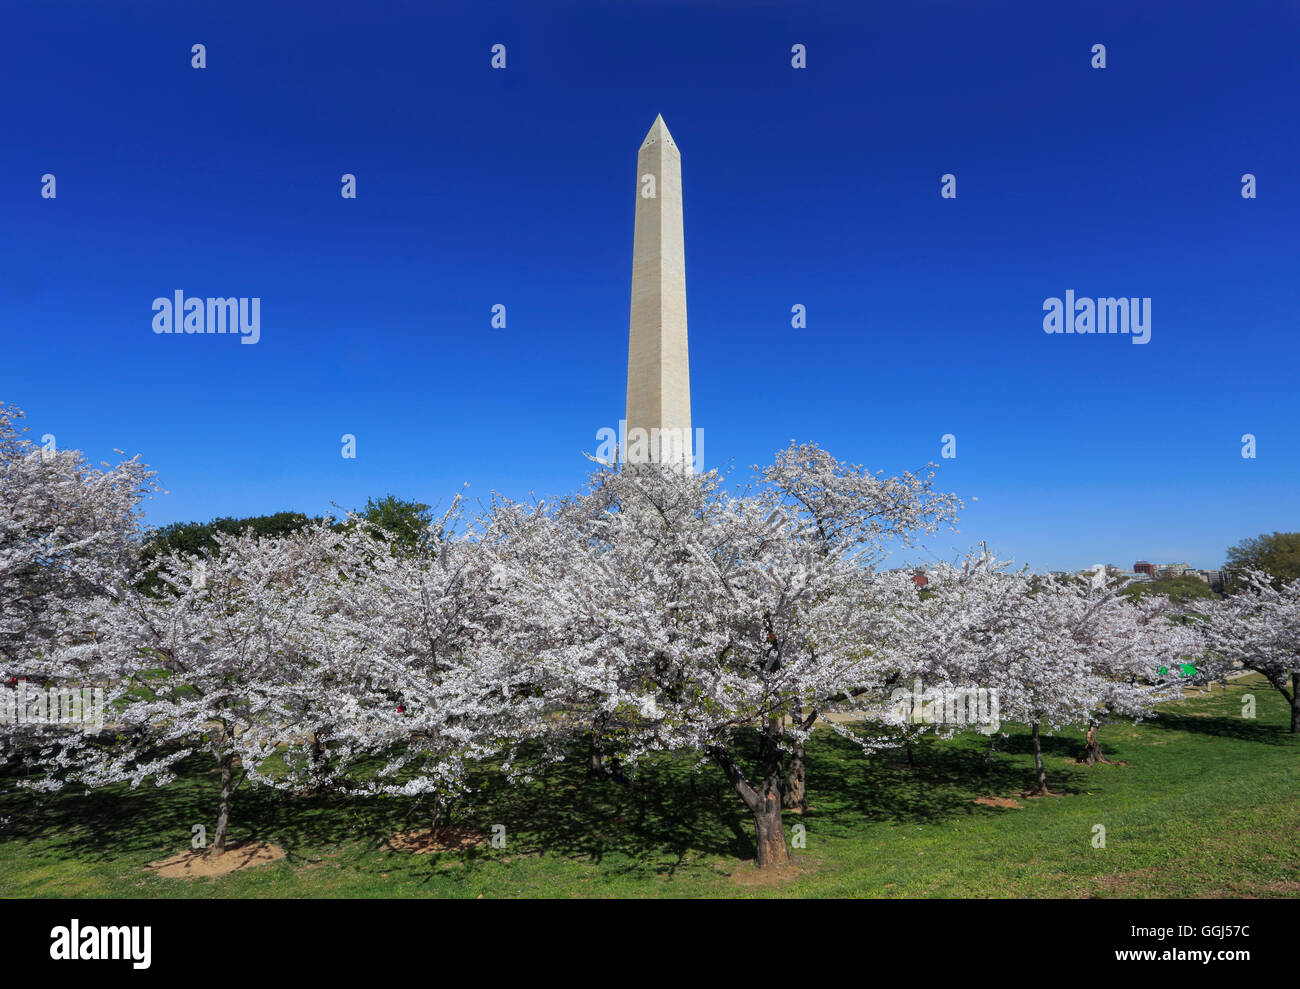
{"points": [[223, 815], [769, 833], [1091, 747], [1040, 774], [319, 761], [763, 801], [596, 749], [436, 817], [1295, 703], [768, 829], [795, 795]]}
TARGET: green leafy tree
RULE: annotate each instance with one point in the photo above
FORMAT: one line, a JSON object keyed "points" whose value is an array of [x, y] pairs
{"points": [[1179, 589], [410, 522], [199, 538], [193, 537], [1277, 554]]}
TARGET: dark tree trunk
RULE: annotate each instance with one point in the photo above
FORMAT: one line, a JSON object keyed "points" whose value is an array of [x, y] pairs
{"points": [[769, 831], [319, 760], [763, 800], [769, 834], [223, 814], [1278, 680], [596, 748], [795, 794], [1091, 747], [1040, 774], [1295, 703], [435, 817]]}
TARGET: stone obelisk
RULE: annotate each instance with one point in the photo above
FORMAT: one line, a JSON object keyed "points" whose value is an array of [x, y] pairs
{"points": [[658, 370]]}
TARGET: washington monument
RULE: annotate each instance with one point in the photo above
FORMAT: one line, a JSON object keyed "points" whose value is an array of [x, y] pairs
{"points": [[658, 369]]}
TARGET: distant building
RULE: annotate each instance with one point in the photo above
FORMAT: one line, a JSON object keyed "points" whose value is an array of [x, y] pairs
{"points": [[1140, 576], [1164, 571], [916, 573]]}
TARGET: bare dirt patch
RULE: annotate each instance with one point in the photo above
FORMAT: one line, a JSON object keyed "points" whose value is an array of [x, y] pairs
{"points": [[450, 839], [200, 863], [749, 874], [1282, 886], [996, 802], [1122, 883]]}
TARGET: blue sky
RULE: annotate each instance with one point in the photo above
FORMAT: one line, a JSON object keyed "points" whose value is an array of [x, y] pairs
{"points": [[817, 186]]}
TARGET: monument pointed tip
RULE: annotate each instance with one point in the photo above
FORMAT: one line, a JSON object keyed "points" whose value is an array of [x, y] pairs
{"points": [[658, 130]]}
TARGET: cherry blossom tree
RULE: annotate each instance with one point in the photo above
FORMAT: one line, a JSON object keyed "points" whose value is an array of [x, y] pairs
{"points": [[654, 607], [68, 531], [422, 669], [1258, 629], [861, 516], [1056, 650], [297, 660], [956, 643], [214, 664], [691, 617], [1132, 646], [856, 512], [1077, 653], [1041, 669]]}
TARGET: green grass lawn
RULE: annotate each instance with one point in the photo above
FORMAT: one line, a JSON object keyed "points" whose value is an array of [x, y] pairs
{"points": [[1208, 804]]}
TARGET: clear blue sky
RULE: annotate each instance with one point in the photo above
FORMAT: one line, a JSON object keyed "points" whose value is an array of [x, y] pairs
{"points": [[819, 187]]}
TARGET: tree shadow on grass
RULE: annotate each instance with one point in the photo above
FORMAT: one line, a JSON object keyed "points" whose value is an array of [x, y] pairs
{"points": [[1245, 729], [941, 784], [664, 819], [116, 821], [1061, 746], [656, 821]]}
